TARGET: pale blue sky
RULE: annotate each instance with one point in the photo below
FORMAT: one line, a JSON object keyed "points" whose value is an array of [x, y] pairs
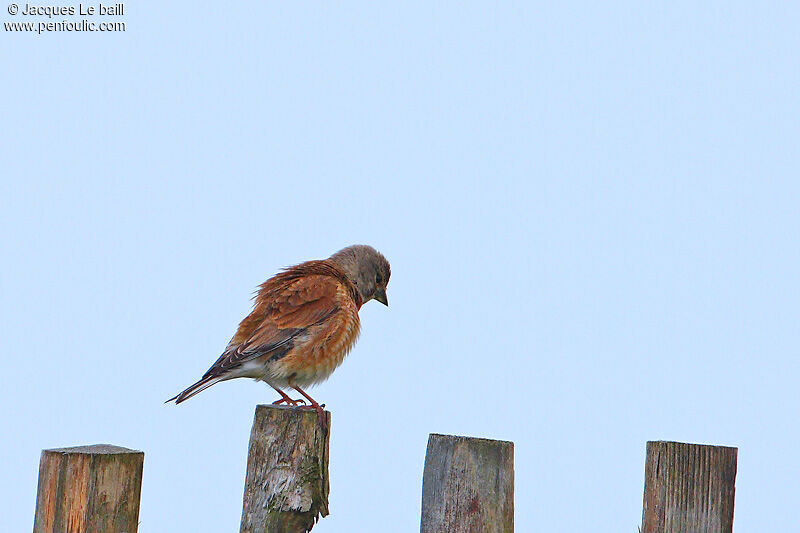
{"points": [[591, 213]]}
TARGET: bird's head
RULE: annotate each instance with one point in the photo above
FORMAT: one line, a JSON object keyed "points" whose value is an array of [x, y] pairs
{"points": [[367, 269]]}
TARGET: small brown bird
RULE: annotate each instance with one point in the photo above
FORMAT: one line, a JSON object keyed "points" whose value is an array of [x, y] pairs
{"points": [[303, 324]]}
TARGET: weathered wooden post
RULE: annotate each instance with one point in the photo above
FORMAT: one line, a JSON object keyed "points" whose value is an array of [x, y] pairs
{"points": [[468, 485], [688, 488], [286, 489], [89, 489]]}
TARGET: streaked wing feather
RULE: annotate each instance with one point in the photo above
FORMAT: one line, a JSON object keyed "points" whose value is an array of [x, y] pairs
{"points": [[281, 315]]}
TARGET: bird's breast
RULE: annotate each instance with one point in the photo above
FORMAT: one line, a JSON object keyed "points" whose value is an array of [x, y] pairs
{"points": [[314, 359]]}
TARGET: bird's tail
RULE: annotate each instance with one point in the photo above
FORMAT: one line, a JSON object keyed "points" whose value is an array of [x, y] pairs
{"points": [[197, 388]]}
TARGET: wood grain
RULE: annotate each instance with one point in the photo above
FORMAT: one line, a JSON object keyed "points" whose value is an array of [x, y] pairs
{"points": [[89, 489], [689, 488], [468, 486], [286, 488]]}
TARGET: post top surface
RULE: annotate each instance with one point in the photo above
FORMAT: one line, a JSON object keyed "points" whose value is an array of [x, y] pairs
{"points": [[286, 408], [676, 443], [494, 442], [96, 449]]}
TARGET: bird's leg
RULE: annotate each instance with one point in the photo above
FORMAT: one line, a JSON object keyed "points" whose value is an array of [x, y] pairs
{"points": [[286, 399], [313, 404]]}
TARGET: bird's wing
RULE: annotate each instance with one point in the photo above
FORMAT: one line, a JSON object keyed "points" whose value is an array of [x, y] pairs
{"points": [[281, 315]]}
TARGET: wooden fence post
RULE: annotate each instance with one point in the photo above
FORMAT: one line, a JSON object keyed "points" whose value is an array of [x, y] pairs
{"points": [[468, 485], [286, 489], [89, 489], [688, 488]]}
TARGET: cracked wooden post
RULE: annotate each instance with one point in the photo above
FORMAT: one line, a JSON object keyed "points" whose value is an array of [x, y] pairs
{"points": [[286, 489], [89, 489], [688, 487], [468, 485]]}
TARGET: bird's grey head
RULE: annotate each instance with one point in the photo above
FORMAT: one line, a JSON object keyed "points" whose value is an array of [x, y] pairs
{"points": [[367, 269]]}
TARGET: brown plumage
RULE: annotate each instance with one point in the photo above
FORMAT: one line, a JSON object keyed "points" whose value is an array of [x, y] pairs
{"points": [[303, 323]]}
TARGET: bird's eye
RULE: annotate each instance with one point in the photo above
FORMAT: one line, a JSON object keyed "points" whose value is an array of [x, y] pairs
{"points": [[378, 279]]}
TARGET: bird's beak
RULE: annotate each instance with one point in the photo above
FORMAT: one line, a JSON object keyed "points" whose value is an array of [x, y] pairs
{"points": [[380, 295]]}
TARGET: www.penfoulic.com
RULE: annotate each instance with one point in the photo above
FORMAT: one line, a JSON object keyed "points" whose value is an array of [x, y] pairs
{"points": [[65, 25]]}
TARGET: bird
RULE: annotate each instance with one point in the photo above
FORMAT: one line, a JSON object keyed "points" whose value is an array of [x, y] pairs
{"points": [[303, 323]]}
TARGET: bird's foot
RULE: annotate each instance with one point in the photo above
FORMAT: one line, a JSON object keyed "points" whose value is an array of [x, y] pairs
{"points": [[323, 420], [287, 400], [294, 403]]}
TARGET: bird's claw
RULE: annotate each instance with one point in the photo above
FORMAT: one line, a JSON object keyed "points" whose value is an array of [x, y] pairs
{"points": [[288, 401]]}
